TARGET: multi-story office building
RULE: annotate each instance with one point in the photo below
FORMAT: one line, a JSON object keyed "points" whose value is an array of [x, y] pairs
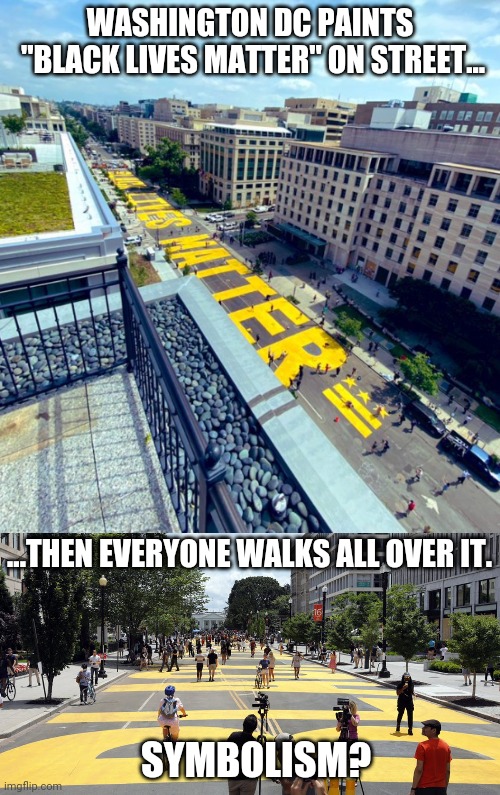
{"points": [[330, 113], [12, 548], [442, 592], [40, 116], [394, 203], [458, 590], [241, 163], [141, 133]]}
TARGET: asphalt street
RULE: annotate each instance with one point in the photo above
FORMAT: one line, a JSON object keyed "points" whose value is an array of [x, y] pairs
{"points": [[98, 746]]}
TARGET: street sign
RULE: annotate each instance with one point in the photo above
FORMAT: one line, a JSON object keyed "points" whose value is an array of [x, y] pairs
{"points": [[318, 612]]}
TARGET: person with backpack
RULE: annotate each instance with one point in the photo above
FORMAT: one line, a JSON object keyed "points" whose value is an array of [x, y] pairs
{"points": [[168, 714], [83, 679]]}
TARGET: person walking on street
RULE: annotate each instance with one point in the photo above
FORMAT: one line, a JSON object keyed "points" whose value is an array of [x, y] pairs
{"points": [[264, 664], [95, 665], [83, 679], [418, 474], [212, 658], [463, 477], [200, 661], [406, 692], [333, 662], [272, 664], [432, 771], [490, 669], [33, 670], [173, 659], [296, 660], [411, 507], [466, 675]]}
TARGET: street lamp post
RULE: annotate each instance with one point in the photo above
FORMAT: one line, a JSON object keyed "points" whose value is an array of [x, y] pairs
{"points": [[290, 603], [384, 673], [102, 584], [324, 592]]}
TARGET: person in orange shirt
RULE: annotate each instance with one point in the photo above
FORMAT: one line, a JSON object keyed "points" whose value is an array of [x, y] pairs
{"points": [[432, 771]]}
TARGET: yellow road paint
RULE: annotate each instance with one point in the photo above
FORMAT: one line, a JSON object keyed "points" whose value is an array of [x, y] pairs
{"points": [[254, 284], [296, 353], [348, 413], [207, 254], [231, 265], [264, 314], [360, 408]]}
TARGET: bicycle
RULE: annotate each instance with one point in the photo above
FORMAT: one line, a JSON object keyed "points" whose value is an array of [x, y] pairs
{"points": [[258, 678], [91, 695], [10, 688]]}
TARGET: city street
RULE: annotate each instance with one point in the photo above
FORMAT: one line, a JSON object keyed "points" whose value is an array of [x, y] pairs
{"points": [[97, 746]]}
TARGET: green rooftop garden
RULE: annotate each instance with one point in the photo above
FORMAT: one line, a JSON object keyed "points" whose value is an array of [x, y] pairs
{"points": [[33, 203]]}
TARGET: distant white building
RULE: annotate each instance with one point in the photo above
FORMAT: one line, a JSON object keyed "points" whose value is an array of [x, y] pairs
{"points": [[209, 620]]}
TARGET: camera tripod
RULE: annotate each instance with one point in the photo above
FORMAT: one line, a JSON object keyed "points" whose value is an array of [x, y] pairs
{"points": [[263, 709], [344, 786]]}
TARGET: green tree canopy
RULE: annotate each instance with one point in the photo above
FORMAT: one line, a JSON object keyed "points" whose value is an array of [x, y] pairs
{"points": [[370, 628], [178, 197], [348, 613], [421, 373], [163, 162], [477, 640], [249, 595], [300, 628], [350, 326], [52, 603], [14, 124], [407, 629], [9, 625], [251, 218]]}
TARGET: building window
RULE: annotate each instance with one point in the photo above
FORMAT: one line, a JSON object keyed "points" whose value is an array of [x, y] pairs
{"points": [[407, 190], [445, 284], [447, 598], [402, 207], [488, 304], [481, 257], [427, 276], [416, 252], [466, 293], [397, 223], [428, 218], [466, 230], [433, 258], [445, 224], [421, 236], [439, 242], [452, 266], [496, 217], [489, 238], [458, 250], [495, 285], [393, 238], [387, 204], [474, 210], [433, 200], [410, 268], [389, 252], [486, 591], [463, 595], [452, 205], [472, 276], [435, 600]]}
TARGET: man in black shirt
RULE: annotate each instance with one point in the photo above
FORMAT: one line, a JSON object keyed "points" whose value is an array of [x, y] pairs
{"points": [[212, 658], [241, 785]]}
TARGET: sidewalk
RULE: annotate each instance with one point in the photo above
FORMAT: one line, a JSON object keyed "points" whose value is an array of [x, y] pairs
{"points": [[434, 686], [19, 714]]}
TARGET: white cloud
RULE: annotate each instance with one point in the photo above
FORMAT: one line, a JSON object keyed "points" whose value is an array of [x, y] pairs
{"points": [[297, 83]]}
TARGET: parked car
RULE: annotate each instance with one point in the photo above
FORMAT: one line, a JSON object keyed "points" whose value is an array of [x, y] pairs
{"points": [[425, 417], [472, 456], [133, 240], [123, 228]]}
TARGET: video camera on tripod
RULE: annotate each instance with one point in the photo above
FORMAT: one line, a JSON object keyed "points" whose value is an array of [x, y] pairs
{"points": [[261, 703], [343, 716]]}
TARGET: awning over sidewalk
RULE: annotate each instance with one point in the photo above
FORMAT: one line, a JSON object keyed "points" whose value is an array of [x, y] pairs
{"points": [[299, 234]]}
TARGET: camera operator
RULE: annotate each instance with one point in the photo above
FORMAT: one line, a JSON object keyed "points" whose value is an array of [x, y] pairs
{"points": [[308, 787], [350, 721], [241, 785]]}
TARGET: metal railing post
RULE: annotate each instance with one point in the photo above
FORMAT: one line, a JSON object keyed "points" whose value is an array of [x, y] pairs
{"points": [[122, 263]]}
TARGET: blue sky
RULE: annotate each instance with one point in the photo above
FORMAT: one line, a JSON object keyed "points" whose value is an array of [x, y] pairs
{"points": [[476, 23]]}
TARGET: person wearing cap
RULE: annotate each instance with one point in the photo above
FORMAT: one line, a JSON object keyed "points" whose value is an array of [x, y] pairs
{"points": [[432, 771]]}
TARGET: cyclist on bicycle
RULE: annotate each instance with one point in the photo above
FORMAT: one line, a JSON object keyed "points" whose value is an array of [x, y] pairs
{"points": [[168, 716], [7, 668]]}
